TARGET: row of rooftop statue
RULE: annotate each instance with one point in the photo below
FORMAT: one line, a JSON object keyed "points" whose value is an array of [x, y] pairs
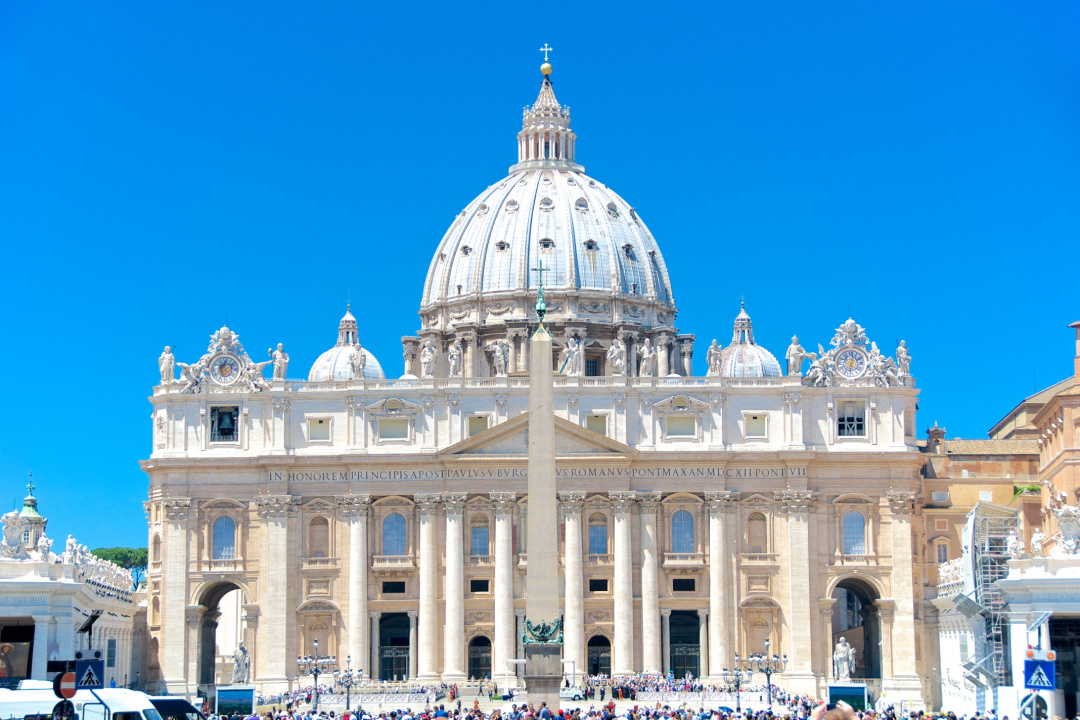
{"points": [[852, 359]]}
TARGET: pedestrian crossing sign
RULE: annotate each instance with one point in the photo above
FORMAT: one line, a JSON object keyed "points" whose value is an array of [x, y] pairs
{"points": [[90, 674], [1039, 674]]}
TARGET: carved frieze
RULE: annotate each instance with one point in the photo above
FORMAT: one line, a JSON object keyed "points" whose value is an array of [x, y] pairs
{"points": [[427, 503], [721, 501], [901, 503], [649, 501], [504, 502], [795, 501], [593, 307], [350, 506], [176, 509], [277, 506], [622, 501], [572, 501]]}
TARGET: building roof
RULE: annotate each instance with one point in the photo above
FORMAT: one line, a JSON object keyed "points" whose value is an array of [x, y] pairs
{"points": [[991, 447]]}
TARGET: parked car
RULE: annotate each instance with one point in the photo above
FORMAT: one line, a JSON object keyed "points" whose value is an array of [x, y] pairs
{"points": [[571, 693]]}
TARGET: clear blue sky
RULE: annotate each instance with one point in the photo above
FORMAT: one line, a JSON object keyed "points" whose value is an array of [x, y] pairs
{"points": [[163, 164]]}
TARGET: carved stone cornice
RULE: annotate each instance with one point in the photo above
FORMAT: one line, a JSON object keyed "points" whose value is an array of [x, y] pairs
{"points": [[721, 501], [901, 503], [572, 501], [176, 509], [281, 404], [649, 501], [622, 502], [504, 502], [454, 502], [795, 501], [277, 506], [427, 503], [350, 506]]}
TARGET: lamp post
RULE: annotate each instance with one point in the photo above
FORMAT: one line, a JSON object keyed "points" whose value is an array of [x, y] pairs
{"points": [[315, 666], [734, 679], [348, 679], [768, 664]]}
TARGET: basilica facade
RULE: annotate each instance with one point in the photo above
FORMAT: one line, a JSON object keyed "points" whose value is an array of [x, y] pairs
{"points": [[700, 516]]}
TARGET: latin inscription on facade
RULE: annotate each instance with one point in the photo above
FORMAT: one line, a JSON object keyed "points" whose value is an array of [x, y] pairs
{"points": [[519, 473]]}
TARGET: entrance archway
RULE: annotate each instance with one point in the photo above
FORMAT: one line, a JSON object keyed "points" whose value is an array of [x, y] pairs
{"points": [[480, 658], [685, 657], [855, 618], [394, 646], [599, 661], [221, 630]]}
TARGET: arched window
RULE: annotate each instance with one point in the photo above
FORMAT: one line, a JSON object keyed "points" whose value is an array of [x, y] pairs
{"points": [[224, 539], [853, 530], [155, 549], [598, 535], [393, 535], [757, 534], [319, 538], [682, 532]]}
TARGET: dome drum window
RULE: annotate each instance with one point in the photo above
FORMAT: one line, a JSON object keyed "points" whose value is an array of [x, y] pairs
{"points": [[512, 206], [546, 205], [502, 246], [582, 205], [591, 245], [546, 243], [613, 211]]}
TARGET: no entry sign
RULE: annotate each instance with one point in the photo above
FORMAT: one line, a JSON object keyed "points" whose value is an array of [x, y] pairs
{"points": [[64, 685]]}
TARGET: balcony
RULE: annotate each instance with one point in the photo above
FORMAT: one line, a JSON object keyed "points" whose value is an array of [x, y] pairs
{"points": [[320, 563], [599, 559], [480, 560], [759, 558], [392, 565], [226, 565], [684, 561]]}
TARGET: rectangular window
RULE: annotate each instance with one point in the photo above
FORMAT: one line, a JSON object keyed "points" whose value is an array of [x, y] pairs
{"points": [[319, 430], [986, 496], [393, 428], [597, 539], [477, 424], [479, 586], [756, 426], [479, 544], [591, 367], [851, 420], [681, 425], [110, 653], [597, 423], [393, 587], [940, 496], [942, 553], [683, 585], [223, 423], [598, 585]]}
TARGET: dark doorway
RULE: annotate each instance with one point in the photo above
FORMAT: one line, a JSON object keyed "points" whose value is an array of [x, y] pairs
{"points": [[1064, 638], [211, 600], [480, 658], [599, 655], [394, 646], [685, 656], [855, 618]]}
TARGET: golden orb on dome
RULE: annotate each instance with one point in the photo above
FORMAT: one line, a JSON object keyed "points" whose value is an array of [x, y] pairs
{"points": [[546, 68]]}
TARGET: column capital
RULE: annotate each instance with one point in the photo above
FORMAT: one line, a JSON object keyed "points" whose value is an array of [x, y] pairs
{"points": [[649, 500], [427, 503], [454, 502], [572, 500], [886, 608], [795, 501], [622, 501], [721, 501], [504, 502], [825, 606], [703, 614], [665, 612], [176, 509], [413, 614], [350, 506], [277, 506], [901, 503], [519, 613], [375, 614]]}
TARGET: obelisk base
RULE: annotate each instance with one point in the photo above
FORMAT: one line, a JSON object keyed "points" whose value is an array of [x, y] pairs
{"points": [[543, 675]]}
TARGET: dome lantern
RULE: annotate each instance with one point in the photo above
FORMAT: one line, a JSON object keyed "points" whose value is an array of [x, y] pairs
{"points": [[546, 140]]}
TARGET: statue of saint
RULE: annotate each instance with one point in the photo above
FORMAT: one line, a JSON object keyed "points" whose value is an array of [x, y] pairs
{"points": [[167, 366], [453, 356], [572, 365], [795, 356], [903, 359], [1037, 538], [241, 666], [427, 359], [281, 361], [647, 357], [712, 357], [843, 660], [357, 361], [616, 356], [1014, 546], [501, 356]]}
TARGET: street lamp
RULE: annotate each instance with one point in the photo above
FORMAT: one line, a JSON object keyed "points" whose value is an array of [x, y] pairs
{"points": [[768, 664], [315, 666], [733, 681], [348, 679]]}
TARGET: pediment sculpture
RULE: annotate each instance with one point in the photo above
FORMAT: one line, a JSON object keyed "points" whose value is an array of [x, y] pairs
{"points": [[227, 367], [854, 360]]}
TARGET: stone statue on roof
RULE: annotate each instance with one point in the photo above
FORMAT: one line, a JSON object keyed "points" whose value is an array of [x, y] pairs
{"points": [[281, 361], [453, 356], [795, 356], [712, 357], [167, 366]]}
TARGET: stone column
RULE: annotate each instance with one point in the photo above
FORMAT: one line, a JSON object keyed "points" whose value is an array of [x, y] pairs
{"points": [[703, 643], [454, 632], [503, 648], [427, 670], [796, 506], [41, 646], [412, 643], [622, 655], [275, 511], [511, 366], [666, 630], [650, 593], [825, 611], [663, 353], [721, 503], [906, 680], [376, 642], [354, 509], [574, 615], [174, 600]]}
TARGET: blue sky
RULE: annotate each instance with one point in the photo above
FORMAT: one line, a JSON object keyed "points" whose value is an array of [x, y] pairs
{"points": [[164, 166]]}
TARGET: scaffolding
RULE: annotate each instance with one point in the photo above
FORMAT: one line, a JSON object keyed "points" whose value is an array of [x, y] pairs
{"points": [[991, 526]]}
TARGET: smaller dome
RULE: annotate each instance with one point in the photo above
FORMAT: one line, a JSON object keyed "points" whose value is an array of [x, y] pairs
{"points": [[336, 364], [744, 358]]}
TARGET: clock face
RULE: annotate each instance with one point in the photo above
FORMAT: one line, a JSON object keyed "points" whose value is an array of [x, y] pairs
{"points": [[851, 363], [224, 369]]}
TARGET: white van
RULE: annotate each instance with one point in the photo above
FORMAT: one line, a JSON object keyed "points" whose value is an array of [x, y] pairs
{"points": [[105, 704]]}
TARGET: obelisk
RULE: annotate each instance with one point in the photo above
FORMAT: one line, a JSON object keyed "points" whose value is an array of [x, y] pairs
{"points": [[543, 629]]}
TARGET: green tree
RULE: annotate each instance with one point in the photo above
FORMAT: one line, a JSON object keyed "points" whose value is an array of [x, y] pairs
{"points": [[133, 559]]}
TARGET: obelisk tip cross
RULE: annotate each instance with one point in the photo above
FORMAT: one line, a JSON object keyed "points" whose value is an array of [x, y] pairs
{"points": [[541, 306]]}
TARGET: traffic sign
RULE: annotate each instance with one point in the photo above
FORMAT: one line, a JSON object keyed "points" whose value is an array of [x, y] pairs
{"points": [[1039, 675], [63, 709], [90, 674], [64, 685]]}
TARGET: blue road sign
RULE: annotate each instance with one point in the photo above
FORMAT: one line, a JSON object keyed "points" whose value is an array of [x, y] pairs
{"points": [[1039, 674], [89, 674]]}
